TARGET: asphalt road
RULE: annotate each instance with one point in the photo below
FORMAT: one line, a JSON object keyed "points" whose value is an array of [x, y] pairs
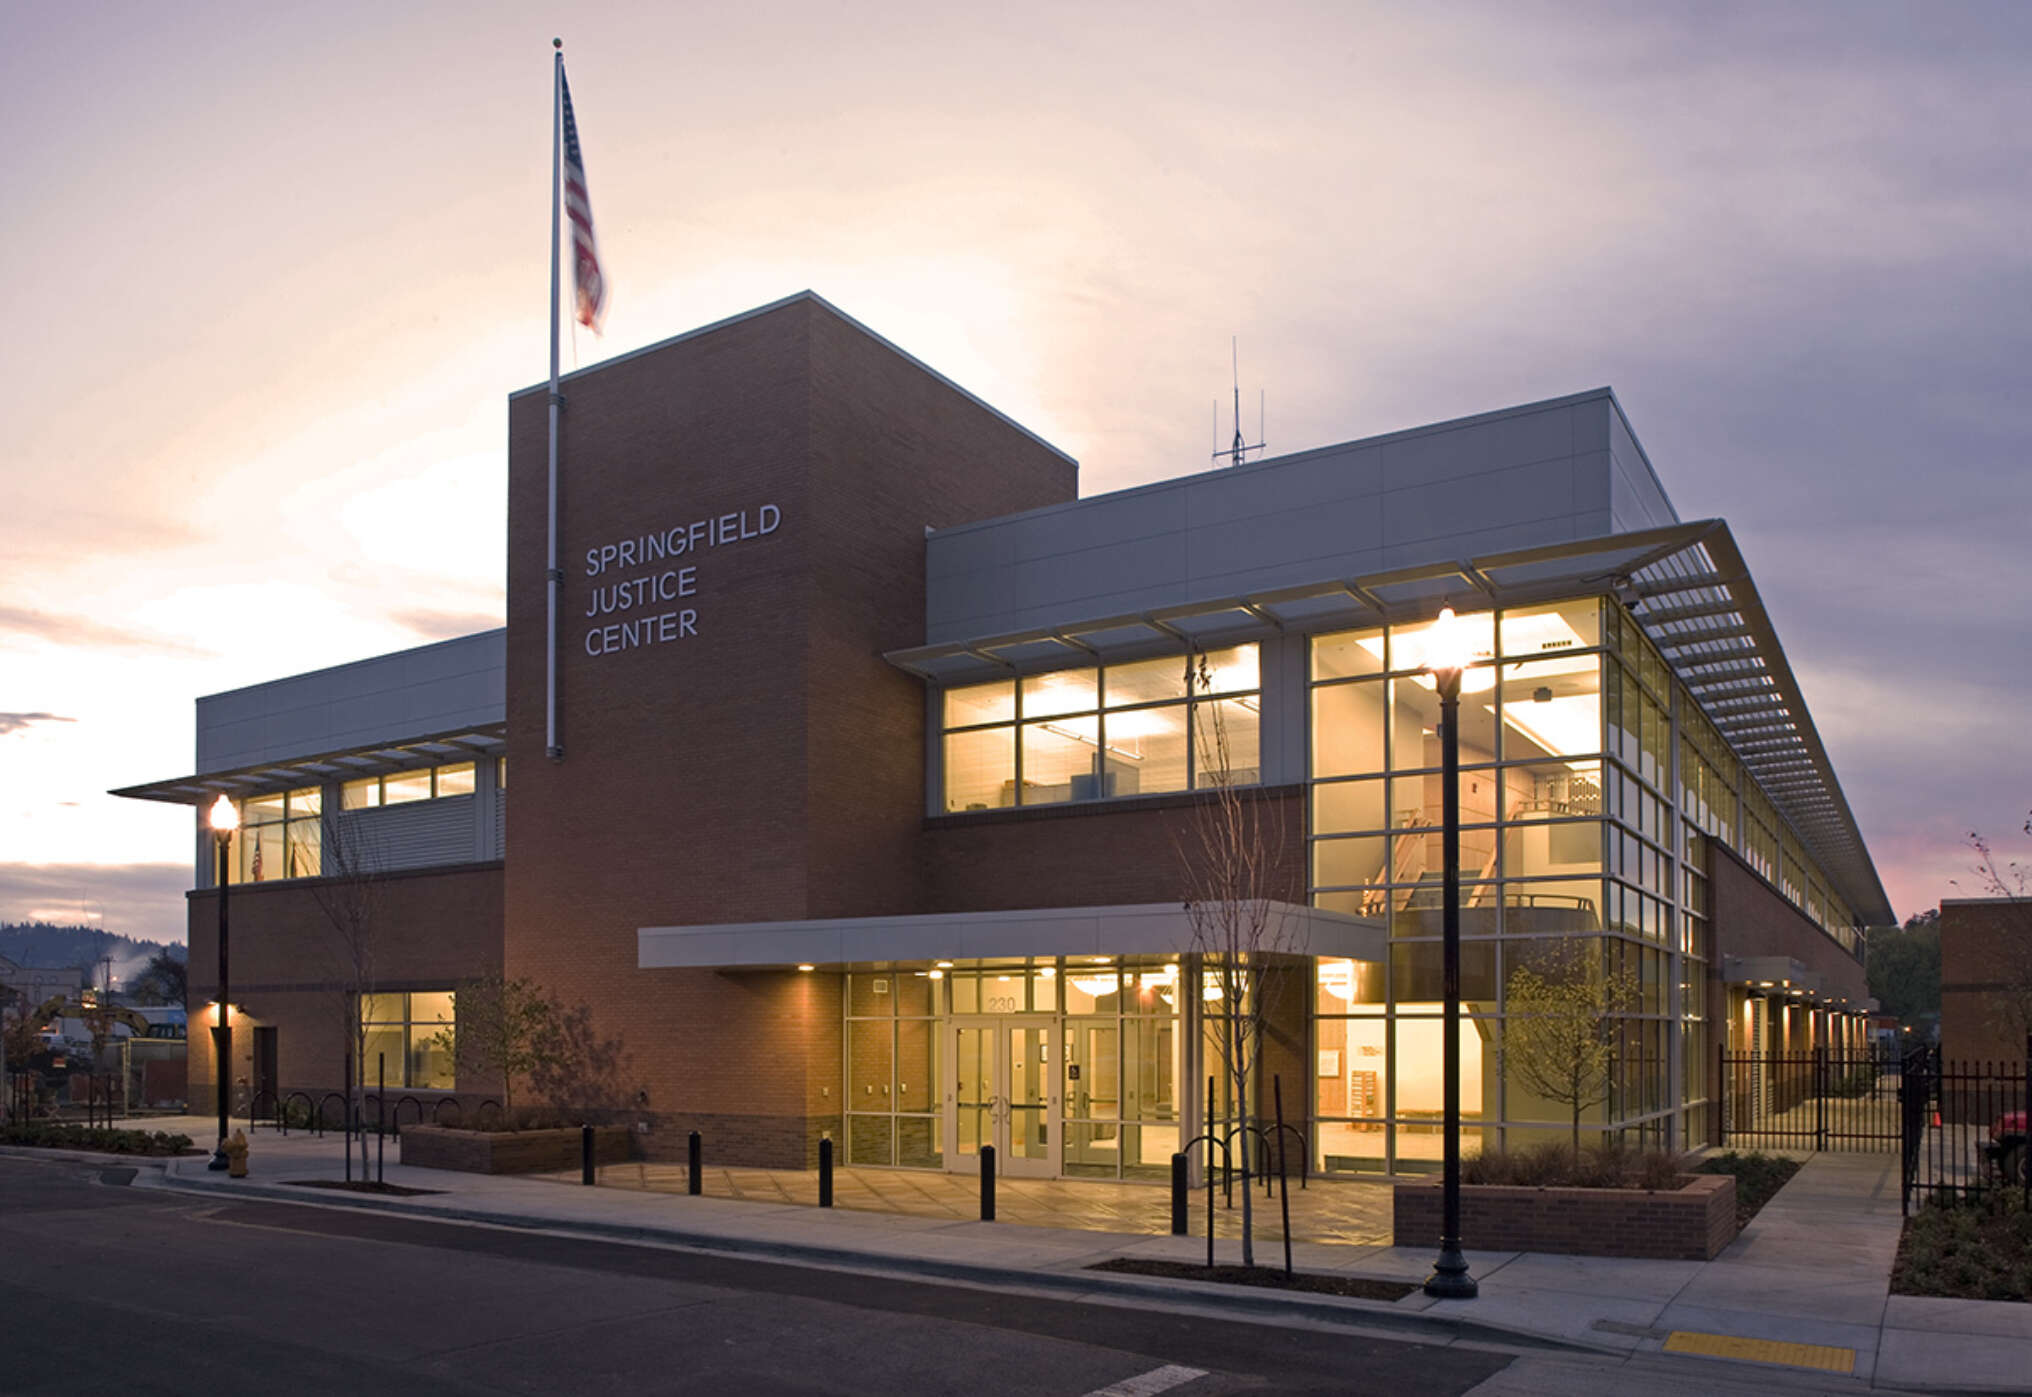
{"points": [[111, 1288]]}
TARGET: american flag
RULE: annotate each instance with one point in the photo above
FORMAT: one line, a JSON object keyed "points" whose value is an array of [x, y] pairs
{"points": [[586, 279]]}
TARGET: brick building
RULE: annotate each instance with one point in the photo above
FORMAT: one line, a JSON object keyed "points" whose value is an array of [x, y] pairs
{"points": [[879, 749], [1985, 978]]}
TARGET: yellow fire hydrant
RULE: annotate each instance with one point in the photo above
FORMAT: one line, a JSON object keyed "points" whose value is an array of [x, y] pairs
{"points": [[236, 1155]]}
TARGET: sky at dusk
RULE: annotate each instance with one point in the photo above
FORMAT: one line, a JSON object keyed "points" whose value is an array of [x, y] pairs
{"points": [[277, 268]]}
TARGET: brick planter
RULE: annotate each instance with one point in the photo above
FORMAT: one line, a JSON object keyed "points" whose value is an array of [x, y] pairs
{"points": [[1691, 1223], [509, 1151]]}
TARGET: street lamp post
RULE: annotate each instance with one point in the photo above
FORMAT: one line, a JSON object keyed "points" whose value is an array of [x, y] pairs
{"points": [[225, 818], [1445, 658]]}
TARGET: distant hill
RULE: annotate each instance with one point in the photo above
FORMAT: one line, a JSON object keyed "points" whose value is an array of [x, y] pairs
{"points": [[40, 944]]}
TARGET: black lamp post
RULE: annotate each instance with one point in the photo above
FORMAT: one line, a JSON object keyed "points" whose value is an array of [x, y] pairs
{"points": [[1445, 658], [225, 818]]}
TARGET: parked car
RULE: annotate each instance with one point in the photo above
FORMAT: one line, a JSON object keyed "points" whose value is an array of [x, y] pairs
{"points": [[2006, 1146]]}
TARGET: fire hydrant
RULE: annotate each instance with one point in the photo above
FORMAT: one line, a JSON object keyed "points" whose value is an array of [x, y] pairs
{"points": [[236, 1155]]}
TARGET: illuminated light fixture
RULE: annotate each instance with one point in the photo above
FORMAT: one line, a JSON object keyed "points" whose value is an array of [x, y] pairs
{"points": [[944, 965], [807, 967], [1337, 978], [1094, 986], [1047, 972], [1001, 979], [1210, 987], [1098, 960], [934, 974], [224, 817]]}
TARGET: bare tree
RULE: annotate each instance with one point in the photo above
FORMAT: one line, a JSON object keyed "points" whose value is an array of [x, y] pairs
{"points": [[1562, 1017], [349, 892], [1233, 851]]}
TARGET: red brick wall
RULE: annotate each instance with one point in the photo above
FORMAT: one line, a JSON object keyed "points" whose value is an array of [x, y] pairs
{"points": [[1985, 951], [1692, 1224], [1751, 918], [288, 968], [769, 767], [1088, 855]]}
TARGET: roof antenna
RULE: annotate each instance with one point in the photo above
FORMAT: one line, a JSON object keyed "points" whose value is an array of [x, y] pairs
{"points": [[1238, 452]]}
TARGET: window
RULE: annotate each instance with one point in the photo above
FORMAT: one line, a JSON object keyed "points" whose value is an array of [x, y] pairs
{"points": [[1172, 724], [402, 787], [280, 836], [400, 1034]]}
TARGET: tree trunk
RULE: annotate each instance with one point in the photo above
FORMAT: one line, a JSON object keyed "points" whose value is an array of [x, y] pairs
{"points": [[1242, 1138]]}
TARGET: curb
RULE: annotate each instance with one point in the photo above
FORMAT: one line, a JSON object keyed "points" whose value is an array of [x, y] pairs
{"points": [[1338, 1310]]}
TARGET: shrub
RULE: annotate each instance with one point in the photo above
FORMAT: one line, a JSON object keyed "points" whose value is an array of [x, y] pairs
{"points": [[1965, 1251], [1556, 1164], [1758, 1177], [61, 1135]]}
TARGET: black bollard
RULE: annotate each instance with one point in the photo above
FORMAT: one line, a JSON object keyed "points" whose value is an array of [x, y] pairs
{"points": [[588, 1170], [697, 1183], [825, 1173], [987, 1183], [1178, 1195], [380, 1100]]}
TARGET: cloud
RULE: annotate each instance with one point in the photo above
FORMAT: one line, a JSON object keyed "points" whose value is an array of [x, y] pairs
{"points": [[144, 900], [78, 632], [16, 722], [446, 625]]}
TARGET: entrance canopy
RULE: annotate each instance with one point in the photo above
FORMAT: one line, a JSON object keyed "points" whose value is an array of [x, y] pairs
{"points": [[1135, 929]]}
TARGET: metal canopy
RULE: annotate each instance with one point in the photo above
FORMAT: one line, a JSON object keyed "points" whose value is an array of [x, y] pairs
{"points": [[375, 759], [1686, 583]]}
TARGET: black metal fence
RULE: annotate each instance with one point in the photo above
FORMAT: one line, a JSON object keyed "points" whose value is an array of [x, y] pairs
{"points": [[1964, 1131], [1818, 1100]]}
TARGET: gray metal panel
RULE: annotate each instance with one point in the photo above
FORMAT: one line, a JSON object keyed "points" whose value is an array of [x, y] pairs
{"points": [[1539, 474], [423, 834], [1637, 496], [431, 689]]}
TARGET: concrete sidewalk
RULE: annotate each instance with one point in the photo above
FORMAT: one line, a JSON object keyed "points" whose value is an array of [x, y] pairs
{"points": [[1802, 1293]]}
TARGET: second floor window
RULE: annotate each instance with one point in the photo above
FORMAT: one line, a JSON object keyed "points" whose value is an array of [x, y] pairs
{"points": [[401, 787], [1151, 726]]}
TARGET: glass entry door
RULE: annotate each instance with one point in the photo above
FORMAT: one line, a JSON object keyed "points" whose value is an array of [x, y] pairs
{"points": [[1003, 1093]]}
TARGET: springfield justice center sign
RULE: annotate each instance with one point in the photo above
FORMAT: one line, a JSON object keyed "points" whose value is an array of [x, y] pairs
{"points": [[655, 579]]}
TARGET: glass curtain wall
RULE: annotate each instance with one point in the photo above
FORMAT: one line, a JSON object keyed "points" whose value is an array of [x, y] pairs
{"points": [[1546, 865], [892, 1069], [1099, 733], [1591, 789], [1112, 1046]]}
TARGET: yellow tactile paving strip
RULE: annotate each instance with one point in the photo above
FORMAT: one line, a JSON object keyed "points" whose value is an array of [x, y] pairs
{"points": [[1822, 1358]]}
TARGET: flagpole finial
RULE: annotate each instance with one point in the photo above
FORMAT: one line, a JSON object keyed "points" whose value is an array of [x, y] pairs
{"points": [[557, 43]]}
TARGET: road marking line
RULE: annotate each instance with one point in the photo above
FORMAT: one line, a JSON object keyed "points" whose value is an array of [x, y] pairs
{"points": [[1145, 1384], [1822, 1357]]}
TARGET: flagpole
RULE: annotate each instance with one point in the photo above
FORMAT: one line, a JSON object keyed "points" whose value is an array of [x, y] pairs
{"points": [[553, 577]]}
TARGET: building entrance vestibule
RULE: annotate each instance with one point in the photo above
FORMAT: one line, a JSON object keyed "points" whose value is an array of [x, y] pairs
{"points": [[1004, 1092]]}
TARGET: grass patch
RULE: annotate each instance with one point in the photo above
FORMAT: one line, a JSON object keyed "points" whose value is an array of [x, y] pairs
{"points": [[1758, 1177], [361, 1186], [1980, 1251], [60, 1135], [1556, 1165], [1265, 1277]]}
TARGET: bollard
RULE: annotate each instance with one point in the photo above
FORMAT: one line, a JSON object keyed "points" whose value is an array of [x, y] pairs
{"points": [[588, 1173], [380, 1100], [1178, 1195], [987, 1183], [693, 1154], [825, 1173]]}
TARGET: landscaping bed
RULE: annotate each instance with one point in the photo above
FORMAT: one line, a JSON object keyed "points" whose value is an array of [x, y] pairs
{"points": [[1758, 1178], [1594, 1202], [362, 1186], [1976, 1251], [510, 1151], [58, 1135], [1355, 1287]]}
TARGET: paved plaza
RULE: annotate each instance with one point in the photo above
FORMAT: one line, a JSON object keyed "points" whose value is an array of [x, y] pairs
{"points": [[1345, 1211]]}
